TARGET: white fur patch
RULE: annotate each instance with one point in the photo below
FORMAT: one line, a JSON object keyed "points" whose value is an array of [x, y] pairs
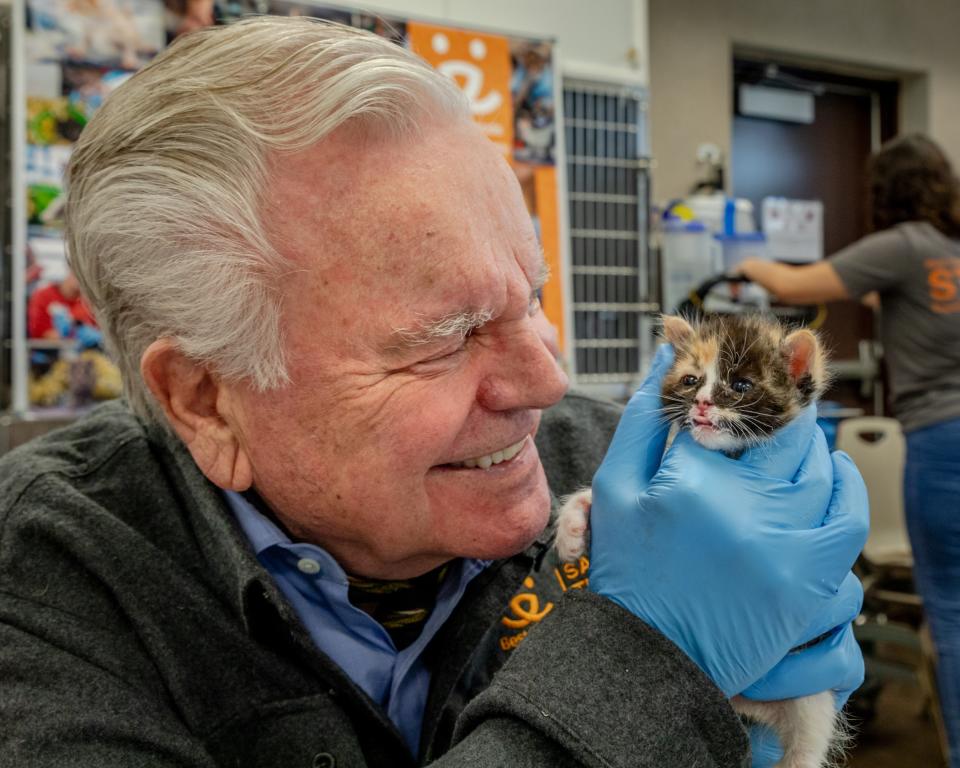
{"points": [[711, 375], [808, 727]]}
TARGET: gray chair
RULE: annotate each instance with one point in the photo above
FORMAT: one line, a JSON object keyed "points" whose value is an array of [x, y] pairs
{"points": [[892, 617]]}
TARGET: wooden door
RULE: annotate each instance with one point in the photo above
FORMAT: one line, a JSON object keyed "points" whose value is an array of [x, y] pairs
{"points": [[824, 160]]}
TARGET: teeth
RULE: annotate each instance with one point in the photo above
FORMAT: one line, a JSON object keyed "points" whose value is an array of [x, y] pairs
{"points": [[485, 462]]}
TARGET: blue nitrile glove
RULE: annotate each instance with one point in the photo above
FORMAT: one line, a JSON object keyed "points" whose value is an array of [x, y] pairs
{"points": [[834, 664], [61, 319], [87, 336], [734, 560], [765, 749]]}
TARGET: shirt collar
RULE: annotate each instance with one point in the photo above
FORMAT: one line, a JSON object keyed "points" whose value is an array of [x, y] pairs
{"points": [[261, 531], [263, 534]]}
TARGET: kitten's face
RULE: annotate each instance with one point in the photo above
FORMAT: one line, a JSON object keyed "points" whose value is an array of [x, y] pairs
{"points": [[736, 380]]}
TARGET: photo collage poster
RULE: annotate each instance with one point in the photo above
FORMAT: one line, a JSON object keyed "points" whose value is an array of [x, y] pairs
{"points": [[78, 51]]}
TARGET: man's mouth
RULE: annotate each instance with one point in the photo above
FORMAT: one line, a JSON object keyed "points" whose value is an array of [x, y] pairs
{"points": [[489, 460]]}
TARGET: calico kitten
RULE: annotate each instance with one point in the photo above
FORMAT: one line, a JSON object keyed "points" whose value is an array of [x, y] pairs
{"points": [[734, 381]]}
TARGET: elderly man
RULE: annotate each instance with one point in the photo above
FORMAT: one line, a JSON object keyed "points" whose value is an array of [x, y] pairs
{"points": [[316, 533]]}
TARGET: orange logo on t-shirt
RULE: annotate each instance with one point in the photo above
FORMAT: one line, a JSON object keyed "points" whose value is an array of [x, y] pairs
{"points": [[943, 282]]}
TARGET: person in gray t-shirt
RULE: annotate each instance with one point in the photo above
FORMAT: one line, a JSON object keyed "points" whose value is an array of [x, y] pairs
{"points": [[912, 261], [916, 270]]}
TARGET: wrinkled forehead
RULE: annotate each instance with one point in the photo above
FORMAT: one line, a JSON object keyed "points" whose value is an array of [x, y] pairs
{"points": [[389, 204], [417, 230]]}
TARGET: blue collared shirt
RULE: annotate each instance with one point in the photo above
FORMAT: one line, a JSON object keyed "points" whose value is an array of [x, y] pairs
{"points": [[316, 587]]}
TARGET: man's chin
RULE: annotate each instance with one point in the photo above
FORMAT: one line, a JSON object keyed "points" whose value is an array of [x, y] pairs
{"points": [[516, 546], [494, 513], [521, 528]]}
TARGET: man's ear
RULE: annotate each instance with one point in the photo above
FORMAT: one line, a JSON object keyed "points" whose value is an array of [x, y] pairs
{"points": [[198, 406]]}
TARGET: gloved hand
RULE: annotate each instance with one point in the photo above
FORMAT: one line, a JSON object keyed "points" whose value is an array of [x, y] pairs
{"points": [[834, 664], [61, 319], [88, 336], [735, 561], [765, 749]]}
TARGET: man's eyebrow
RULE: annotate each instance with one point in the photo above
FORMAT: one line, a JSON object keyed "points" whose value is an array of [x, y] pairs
{"points": [[543, 275], [456, 324]]}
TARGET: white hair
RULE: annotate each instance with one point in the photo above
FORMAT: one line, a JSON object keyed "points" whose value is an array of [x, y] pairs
{"points": [[166, 186], [456, 325]]}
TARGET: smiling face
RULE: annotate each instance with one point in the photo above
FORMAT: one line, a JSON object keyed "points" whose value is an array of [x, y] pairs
{"points": [[418, 354], [735, 380]]}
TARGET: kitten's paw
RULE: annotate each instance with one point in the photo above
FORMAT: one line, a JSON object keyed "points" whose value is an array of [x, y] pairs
{"points": [[573, 526]]}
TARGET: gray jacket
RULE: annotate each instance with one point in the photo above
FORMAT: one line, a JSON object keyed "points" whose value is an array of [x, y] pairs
{"points": [[138, 629]]}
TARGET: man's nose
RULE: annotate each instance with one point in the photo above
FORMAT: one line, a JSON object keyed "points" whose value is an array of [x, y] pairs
{"points": [[526, 373]]}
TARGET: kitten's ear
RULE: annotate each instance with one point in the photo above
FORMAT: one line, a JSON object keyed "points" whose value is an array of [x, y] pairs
{"points": [[805, 358], [676, 330]]}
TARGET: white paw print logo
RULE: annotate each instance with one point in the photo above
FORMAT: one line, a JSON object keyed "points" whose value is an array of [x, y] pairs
{"points": [[470, 74]]}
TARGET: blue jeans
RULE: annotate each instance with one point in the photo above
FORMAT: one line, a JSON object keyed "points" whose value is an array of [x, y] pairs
{"points": [[932, 505]]}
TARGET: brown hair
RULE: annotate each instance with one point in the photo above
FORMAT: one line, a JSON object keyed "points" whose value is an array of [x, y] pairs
{"points": [[910, 179]]}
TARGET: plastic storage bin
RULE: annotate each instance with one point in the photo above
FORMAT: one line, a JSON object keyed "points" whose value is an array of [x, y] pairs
{"points": [[688, 258], [722, 214], [734, 248]]}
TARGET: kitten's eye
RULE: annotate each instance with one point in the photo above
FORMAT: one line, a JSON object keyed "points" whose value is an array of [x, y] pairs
{"points": [[741, 385], [689, 381]]}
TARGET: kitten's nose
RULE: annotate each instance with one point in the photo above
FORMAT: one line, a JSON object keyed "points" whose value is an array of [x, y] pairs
{"points": [[703, 403]]}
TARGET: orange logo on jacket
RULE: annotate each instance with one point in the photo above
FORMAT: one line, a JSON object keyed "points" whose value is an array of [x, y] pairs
{"points": [[524, 608]]}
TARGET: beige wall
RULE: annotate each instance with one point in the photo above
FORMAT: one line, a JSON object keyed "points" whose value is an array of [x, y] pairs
{"points": [[602, 38], [691, 53]]}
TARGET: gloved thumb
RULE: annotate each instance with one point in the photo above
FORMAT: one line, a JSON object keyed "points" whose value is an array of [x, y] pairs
{"points": [[783, 454], [765, 750], [634, 453]]}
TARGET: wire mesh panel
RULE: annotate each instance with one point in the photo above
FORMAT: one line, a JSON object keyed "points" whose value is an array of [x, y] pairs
{"points": [[607, 179]]}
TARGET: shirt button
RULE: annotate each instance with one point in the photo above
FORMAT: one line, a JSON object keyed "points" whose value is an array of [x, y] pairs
{"points": [[324, 760], [306, 565]]}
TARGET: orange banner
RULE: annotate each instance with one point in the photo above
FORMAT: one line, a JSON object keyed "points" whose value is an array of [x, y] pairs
{"points": [[480, 65], [545, 182]]}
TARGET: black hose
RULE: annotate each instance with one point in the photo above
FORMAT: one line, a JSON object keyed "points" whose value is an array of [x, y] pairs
{"points": [[692, 306]]}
